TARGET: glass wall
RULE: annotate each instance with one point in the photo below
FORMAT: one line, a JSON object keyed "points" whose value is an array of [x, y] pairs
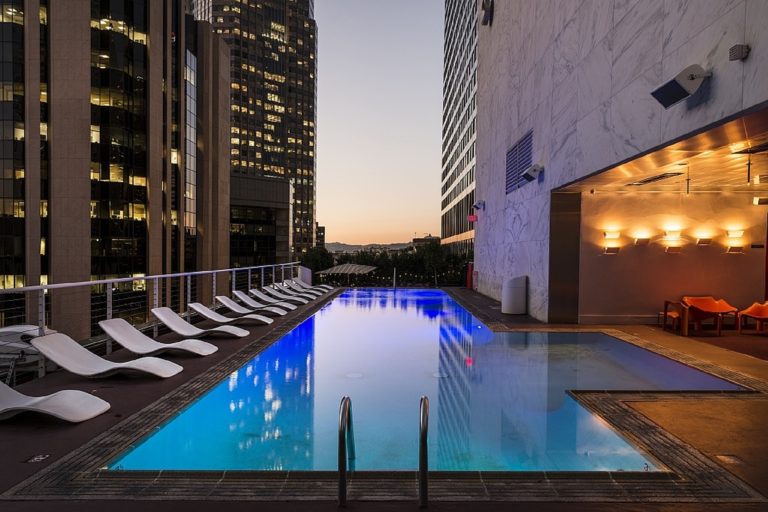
{"points": [[190, 164], [11, 143], [118, 137]]}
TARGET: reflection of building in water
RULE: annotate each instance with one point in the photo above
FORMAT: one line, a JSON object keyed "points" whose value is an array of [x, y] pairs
{"points": [[425, 302], [454, 388], [277, 389]]}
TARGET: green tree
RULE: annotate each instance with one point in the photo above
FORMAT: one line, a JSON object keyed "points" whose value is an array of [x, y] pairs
{"points": [[316, 259]]}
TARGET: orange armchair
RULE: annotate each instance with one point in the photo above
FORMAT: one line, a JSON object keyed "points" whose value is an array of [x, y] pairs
{"points": [[757, 311], [698, 309]]}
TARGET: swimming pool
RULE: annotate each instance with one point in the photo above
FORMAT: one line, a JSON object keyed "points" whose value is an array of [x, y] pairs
{"points": [[498, 400]]}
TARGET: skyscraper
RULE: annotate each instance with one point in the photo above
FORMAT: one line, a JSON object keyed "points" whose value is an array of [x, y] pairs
{"points": [[459, 90], [273, 121], [113, 160]]}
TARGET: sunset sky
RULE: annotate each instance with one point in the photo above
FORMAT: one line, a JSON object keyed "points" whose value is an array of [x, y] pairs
{"points": [[379, 117]]}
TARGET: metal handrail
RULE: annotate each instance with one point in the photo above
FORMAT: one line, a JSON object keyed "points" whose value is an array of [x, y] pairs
{"points": [[423, 452], [346, 447], [22, 289]]}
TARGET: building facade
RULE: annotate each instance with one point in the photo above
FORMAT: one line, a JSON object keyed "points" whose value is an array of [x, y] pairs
{"points": [[87, 91], [320, 236], [273, 91], [459, 127], [638, 202]]}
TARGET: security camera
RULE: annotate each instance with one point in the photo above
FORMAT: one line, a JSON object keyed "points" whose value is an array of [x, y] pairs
{"points": [[686, 83], [532, 172], [479, 205]]}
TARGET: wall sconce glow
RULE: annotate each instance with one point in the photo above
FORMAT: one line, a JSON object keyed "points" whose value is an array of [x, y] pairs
{"points": [[760, 178], [672, 236], [735, 249], [736, 233], [611, 250], [703, 241], [673, 249], [611, 235], [759, 201], [642, 241]]}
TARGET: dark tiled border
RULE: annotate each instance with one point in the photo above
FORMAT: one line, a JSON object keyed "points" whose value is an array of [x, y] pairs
{"points": [[692, 477]]}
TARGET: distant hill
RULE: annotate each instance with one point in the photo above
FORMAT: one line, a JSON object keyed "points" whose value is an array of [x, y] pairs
{"points": [[342, 247]]}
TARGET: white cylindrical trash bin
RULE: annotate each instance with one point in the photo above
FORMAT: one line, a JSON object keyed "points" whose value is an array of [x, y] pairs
{"points": [[514, 296]]}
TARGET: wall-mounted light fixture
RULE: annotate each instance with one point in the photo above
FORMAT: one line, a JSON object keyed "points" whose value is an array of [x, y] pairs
{"points": [[479, 205], [703, 241], [759, 201], [672, 236], [673, 249], [735, 233], [611, 235], [611, 250], [735, 249], [642, 241]]}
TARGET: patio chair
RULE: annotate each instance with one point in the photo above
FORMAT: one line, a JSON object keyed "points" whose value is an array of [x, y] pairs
{"points": [[183, 328], [210, 314], [698, 309], [283, 296], [135, 341], [291, 285], [757, 311], [73, 357], [301, 283], [283, 288], [69, 405], [271, 300], [253, 306]]}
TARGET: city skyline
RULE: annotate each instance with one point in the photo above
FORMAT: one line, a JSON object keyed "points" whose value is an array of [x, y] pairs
{"points": [[380, 65]]}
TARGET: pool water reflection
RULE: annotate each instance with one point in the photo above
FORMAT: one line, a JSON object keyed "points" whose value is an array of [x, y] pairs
{"points": [[498, 400]]}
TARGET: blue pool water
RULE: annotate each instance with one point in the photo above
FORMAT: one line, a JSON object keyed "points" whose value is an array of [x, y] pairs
{"points": [[498, 400]]}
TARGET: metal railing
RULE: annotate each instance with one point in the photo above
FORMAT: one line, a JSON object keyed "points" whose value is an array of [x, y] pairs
{"points": [[346, 447], [131, 298], [423, 452]]}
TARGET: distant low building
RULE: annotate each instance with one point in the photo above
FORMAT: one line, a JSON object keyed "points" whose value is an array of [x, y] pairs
{"points": [[426, 240]]}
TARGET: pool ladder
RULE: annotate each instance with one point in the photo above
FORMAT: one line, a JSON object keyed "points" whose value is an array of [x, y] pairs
{"points": [[347, 449]]}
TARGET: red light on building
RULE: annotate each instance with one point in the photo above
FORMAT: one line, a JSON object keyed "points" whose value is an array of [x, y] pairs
{"points": [[469, 361], [472, 218]]}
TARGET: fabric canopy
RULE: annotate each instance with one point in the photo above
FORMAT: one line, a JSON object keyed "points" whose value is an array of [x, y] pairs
{"points": [[348, 268]]}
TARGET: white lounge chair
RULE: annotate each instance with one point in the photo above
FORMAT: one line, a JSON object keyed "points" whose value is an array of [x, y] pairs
{"points": [[282, 288], [21, 332], [283, 296], [183, 328], [290, 286], [210, 314], [293, 285], [135, 341], [241, 310], [325, 287], [69, 405], [72, 356], [273, 301], [250, 302]]}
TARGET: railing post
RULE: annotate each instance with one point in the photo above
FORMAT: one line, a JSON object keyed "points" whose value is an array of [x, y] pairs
{"points": [[213, 284], [189, 292], [234, 280], [155, 301], [274, 276], [41, 326], [346, 447], [423, 452], [282, 273], [109, 314], [249, 278], [262, 277]]}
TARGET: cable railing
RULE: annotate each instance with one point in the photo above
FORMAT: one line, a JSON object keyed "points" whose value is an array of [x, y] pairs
{"points": [[77, 308], [346, 447]]}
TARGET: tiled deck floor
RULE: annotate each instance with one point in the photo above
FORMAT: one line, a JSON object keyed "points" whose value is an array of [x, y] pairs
{"points": [[712, 425]]}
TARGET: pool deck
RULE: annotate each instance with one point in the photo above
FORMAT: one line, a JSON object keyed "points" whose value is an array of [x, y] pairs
{"points": [[724, 431]]}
